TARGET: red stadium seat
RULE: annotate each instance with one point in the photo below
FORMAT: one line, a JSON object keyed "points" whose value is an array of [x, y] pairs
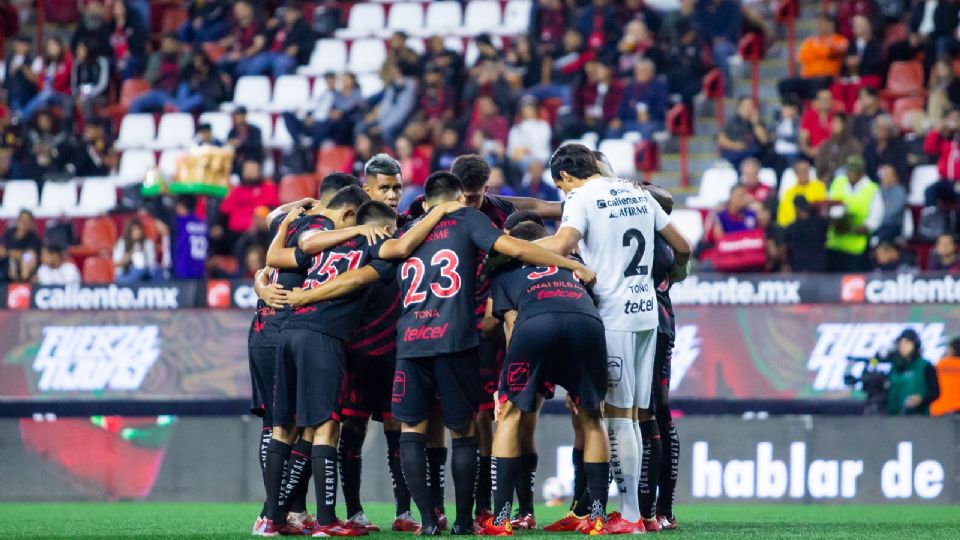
{"points": [[98, 237], [904, 79], [98, 270], [132, 88], [332, 159], [904, 105], [294, 187], [228, 264]]}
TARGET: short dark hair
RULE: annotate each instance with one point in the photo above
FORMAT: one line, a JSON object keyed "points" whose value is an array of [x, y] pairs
{"points": [[442, 185], [349, 196], [517, 218], [575, 159], [55, 246], [188, 201], [472, 170], [870, 91], [528, 231], [334, 182], [375, 211], [381, 164]]}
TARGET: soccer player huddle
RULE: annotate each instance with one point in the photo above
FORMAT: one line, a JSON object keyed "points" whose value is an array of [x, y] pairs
{"points": [[458, 315]]}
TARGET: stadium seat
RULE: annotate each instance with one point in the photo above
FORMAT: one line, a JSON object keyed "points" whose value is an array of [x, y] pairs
{"points": [[366, 19], [134, 165], [908, 226], [97, 196], [269, 166], [263, 121], [57, 198], [904, 79], [902, 107], [168, 161], [176, 131], [768, 177], [251, 91], [328, 55], [332, 158], [472, 52], [99, 234], [227, 264], [290, 93], [454, 43], [622, 156], [480, 16], [19, 195], [136, 131], [281, 139], [97, 270], [443, 17], [417, 45], [690, 223], [220, 123], [367, 55], [715, 185], [370, 84], [294, 187], [923, 177], [406, 16], [130, 89], [516, 17]]}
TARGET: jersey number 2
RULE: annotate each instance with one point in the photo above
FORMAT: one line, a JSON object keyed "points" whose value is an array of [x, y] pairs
{"points": [[447, 260], [634, 268]]}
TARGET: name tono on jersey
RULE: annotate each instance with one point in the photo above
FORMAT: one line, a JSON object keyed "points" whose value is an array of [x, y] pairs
{"points": [[617, 222]]}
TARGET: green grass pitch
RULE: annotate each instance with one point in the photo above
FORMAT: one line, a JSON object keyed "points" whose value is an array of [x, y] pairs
{"points": [[233, 520]]}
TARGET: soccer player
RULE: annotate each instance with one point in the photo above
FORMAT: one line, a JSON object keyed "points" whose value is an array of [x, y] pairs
{"points": [[555, 336], [612, 223], [437, 342]]}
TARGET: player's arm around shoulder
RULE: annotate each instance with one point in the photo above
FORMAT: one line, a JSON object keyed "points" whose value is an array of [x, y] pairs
{"points": [[681, 245], [273, 295], [531, 253], [342, 285], [278, 255], [403, 247]]}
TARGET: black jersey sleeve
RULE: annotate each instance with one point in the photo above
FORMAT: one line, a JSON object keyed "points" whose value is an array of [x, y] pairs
{"points": [[386, 269], [500, 293], [483, 233]]}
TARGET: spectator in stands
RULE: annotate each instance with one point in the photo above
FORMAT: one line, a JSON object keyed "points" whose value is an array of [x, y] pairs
{"points": [[326, 19], [596, 101], [944, 257], [685, 66], [913, 383], [774, 239], [497, 185], [486, 50], [719, 22], [821, 58], [55, 266], [205, 137], [89, 80], [532, 184], [805, 238], [638, 44], [448, 61], [237, 208], [894, 203], [846, 13], [94, 29], [246, 140], [886, 148], [190, 240], [163, 73], [786, 144], [868, 103], [816, 124], [834, 151], [643, 107], [6, 263], [859, 217], [23, 246], [887, 257], [19, 80], [258, 235], [202, 88], [135, 256], [52, 75], [863, 65], [599, 23], [943, 91], [492, 150], [207, 22], [743, 135], [549, 21], [438, 102], [939, 218], [811, 189], [94, 155], [48, 146], [489, 120], [560, 72], [448, 149], [750, 179], [524, 65], [736, 216], [414, 169], [128, 40], [245, 43], [676, 22], [254, 258], [289, 41], [944, 144], [332, 110], [932, 25], [401, 54], [529, 138], [348, 108], [488, 78], [364, 147], [387, 119]]}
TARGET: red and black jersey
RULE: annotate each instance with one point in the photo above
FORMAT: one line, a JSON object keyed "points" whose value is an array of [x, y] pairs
{"points": [[376, 335], [438, 285], [267, 321], [338, 317], [663, 259], [538, 290], [497, 210]]}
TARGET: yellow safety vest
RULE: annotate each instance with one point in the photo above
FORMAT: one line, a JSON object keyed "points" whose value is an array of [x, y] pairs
{"points": [[857, 206]]}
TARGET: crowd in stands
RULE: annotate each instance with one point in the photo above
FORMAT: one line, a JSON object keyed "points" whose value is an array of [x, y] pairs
{"points": [[610, 68]]}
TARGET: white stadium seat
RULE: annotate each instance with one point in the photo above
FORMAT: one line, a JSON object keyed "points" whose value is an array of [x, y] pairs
{"points": [[290, 93], [220, 124], [134, 165], [97, 196], [168, 161], [417, 45], [406, 16], [481, 16], [908, 226], [265, 123], [516, 17], [922, 178], [370, 84], [622, 156], [19, 195], [281, 137], [57, 198], [366, 19], [768, 177], [690, 223], [176, 131], [251, 91], [367, 55], [454, 43], [715, 186], [136, 131], [443, 17], [327, 55]]}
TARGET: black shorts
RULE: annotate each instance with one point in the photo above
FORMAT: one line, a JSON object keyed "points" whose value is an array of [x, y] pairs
{"points": [[263, 361], [567, 349], [492, 352], [453, 377], [369, 386], [661, 370], [310, 378]]}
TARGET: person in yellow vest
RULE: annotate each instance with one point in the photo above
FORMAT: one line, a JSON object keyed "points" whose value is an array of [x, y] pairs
{"points": [[813, 190], [852, 225]]}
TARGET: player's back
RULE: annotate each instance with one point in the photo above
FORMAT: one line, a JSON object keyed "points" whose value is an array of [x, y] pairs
{"points": [[538, 290], [617, 221]]}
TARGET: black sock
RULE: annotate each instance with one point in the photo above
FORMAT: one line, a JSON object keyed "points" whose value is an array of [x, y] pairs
{"points": [[464, 465], [413, 458], [580, 504], [668, 471], [265, 438], [401, 495], [278, 452], [351, 444], [484, 484], [649, 467], [325, 482], [297, 478], [526, 482], [437, 476], [506, 474], [598, 480]]}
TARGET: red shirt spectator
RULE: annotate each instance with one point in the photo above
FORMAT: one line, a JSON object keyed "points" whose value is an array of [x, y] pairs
{"points": [[588, 95], [414, 165], [816, 121], [253, 191], [846, 9], [489, 120], [945, 144]]}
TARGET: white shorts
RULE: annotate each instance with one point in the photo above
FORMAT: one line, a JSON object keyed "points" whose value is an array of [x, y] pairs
{"points": [[630, 357]]}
